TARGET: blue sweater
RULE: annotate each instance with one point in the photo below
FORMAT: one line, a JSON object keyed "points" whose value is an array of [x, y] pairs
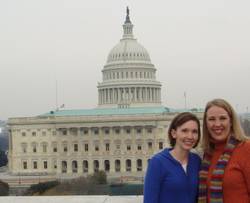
{"points": [[167, 182]]}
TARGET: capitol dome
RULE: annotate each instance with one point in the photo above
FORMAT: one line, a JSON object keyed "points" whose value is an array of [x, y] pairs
{"points": [[129, 77], [128, 49]]}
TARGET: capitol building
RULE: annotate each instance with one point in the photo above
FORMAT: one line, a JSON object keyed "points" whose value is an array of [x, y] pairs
{"points": [[128, 126]]}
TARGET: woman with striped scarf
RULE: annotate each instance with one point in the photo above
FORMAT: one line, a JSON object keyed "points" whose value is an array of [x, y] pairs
{"points": [[225, 172]]}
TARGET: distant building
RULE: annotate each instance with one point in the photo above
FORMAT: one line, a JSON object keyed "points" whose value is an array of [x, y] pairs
{"points": [[119, 136]]}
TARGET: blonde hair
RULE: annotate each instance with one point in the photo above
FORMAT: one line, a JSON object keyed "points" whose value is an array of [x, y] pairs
{"points": [[236, 130]]}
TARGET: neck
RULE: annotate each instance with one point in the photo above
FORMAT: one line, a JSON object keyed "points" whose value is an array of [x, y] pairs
{"points": [[180, 155]]}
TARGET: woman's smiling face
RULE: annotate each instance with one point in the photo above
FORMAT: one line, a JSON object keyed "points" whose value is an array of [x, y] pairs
{"points": [[218, 123], [186, 135]]}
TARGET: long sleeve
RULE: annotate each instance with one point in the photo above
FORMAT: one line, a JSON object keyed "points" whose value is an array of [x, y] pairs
{"points": [[236, 182], [152, 184], [246, 167]]}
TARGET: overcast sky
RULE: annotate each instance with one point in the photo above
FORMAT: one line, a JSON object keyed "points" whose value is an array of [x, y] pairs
{"points": [[198, 47]]}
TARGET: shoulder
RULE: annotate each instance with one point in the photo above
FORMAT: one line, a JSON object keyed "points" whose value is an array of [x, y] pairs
{"points": [[244, 147], [159, 157], [242, 152], [241, 155], [195, 157]]}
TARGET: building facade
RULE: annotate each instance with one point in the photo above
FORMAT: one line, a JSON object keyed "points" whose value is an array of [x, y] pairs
{"points": [[119, 136]]}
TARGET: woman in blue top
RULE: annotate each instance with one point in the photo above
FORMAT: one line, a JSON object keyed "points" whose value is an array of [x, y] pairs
{"points": [[172, 174]]}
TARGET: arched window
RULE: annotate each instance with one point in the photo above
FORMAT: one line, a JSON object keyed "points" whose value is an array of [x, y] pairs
{"points": [[117, 165], [85, 166], [96, 165], [74, 166], [128, 165], [64, 166], [106, 165], [139, 165]]}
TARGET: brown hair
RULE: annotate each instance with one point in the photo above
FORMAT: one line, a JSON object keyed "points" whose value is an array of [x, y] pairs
{"points": [[179, 120], [236, 129]]}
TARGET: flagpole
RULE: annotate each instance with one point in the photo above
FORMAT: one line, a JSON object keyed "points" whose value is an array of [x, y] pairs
{"points": [[56, 96], [185, 100]]}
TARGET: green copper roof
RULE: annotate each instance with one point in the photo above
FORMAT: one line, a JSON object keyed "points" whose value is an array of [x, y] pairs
{"points": [[117, 111], [108, 111]]}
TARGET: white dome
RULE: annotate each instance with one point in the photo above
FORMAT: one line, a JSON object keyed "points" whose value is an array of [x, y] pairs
{"points": [[128, 49]]}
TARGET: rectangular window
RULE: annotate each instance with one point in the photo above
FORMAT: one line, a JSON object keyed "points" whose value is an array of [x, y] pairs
{"points": [[86, 147], [34, 149], [45, 164], [54, 149], [73, 131], [33, 133], [107, 146], [24, 148], [150, 145], [139, 147], [128, 147], [128, 131], [160, 145], [117, 131], [96, 148], [23, 134], [25, 165], [65, 148], [35, 165], [138, 130], [64, 132], [55, 164], [44, 148], [106, 131], [75, 147], [85, 132], [149, 130]]}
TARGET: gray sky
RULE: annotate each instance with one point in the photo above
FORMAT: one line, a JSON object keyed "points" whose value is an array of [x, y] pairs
{"points": [[198, 47]]}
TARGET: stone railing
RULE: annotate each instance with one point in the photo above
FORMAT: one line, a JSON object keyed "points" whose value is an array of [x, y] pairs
{"points": [[72, 199]]}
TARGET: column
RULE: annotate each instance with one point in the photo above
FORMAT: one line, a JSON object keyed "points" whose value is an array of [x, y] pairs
{"points": [[159, 97], [99, 96], [129, 94], [140, 97], [152, 94], [113, 96], [106, 96], [135, 99], [118, 96], [146, 94]]}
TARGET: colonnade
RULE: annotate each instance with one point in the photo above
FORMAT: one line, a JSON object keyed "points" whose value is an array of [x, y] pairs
{"points": [[129, 94]]}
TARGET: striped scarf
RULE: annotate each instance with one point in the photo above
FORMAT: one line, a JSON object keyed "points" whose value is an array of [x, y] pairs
{"points": [[216, 191]]}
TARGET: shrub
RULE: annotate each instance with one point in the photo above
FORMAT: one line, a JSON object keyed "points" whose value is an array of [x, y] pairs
{"points": [[4, 188], [41, 187], [99, 177]]}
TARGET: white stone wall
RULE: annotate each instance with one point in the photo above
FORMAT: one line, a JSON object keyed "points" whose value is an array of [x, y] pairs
{"points": [[145, 134]]}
